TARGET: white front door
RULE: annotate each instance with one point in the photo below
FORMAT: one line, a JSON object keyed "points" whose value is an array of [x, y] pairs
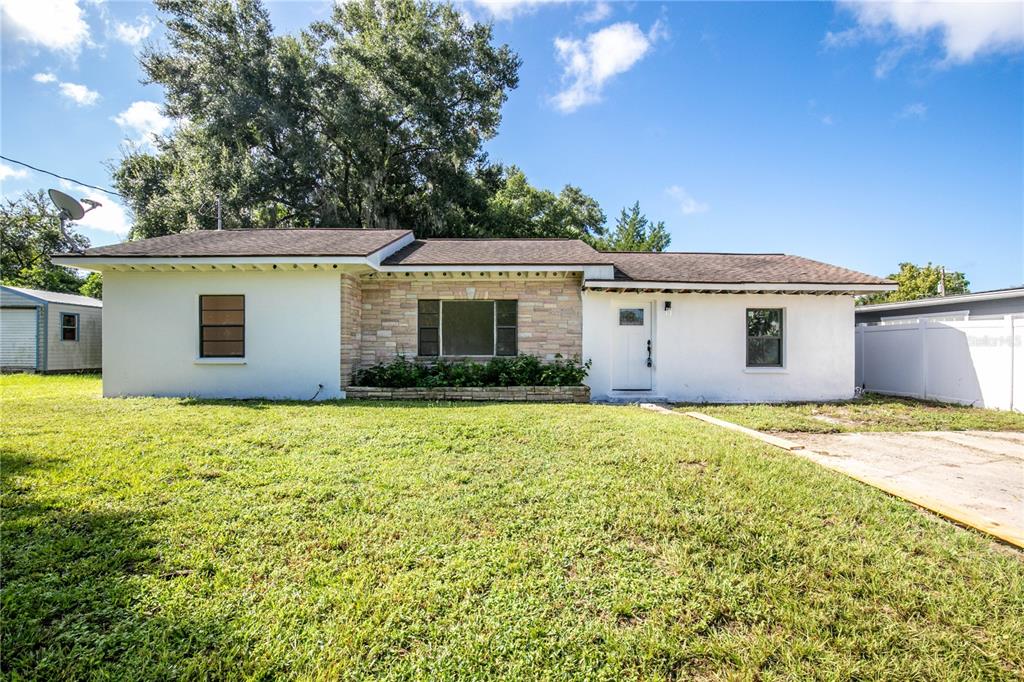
{"points": [[632, 364]]}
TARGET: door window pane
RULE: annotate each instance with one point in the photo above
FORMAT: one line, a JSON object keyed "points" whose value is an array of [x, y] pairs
{"points": [[631, 317]]}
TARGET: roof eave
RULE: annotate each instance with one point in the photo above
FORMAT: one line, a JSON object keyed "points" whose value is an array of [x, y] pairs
{"points": [[853, 288], [943, 300]]}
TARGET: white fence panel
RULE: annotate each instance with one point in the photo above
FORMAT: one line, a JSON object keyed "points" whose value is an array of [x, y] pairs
{"points": [[971, 362], [1017, 353], [892, 360]]}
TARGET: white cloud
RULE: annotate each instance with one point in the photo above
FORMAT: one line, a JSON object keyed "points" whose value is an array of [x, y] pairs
{"points": [[79, 94], [827, 120], [57, 25], [599, 11], [8, 173], [587, 65], [133, 34], [505, 10], [966, 29], [143, 121], [687, 204], [918, 110], [111, 217]]}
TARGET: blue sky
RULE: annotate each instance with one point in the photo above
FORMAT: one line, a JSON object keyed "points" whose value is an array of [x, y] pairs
{"points": [[859, 134]]}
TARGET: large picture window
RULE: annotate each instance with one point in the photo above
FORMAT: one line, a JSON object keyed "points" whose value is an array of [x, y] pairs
{"points": [[467, 328], [764, 337], [222, 326]]}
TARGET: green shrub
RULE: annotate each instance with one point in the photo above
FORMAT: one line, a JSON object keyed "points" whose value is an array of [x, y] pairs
{"points": [[521, 370]]}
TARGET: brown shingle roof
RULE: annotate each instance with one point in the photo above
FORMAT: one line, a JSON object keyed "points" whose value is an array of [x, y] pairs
{"points": [[314, 242], [497, 252], [733, 268]]}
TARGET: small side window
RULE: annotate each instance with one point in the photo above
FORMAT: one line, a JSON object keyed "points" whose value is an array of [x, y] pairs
{"points": [[69, 327], [764, 337]]}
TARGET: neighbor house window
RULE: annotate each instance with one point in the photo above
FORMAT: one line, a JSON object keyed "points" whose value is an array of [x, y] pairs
{"points": [[222, 326], [461, 328], [764, 337], [69, 327]]}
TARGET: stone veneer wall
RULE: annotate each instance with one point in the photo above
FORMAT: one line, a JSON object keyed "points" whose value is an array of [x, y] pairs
{"points": [[351, 315], [550, 312]]}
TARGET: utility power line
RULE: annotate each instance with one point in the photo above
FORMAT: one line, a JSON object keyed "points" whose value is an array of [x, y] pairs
{"points": [[40, 170]]}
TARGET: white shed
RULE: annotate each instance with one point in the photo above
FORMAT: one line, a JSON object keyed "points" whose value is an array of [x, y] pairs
{"points": [[45, 331]]}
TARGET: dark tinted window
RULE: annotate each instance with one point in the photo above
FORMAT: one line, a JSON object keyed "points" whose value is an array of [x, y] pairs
{"points": [[69, 327], [467, 327], [506, 315], [429, 324]]}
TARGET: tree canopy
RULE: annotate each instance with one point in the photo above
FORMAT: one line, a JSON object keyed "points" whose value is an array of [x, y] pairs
{"points": [[920, 281], [373, 118], [634, 232], [29, 235]]}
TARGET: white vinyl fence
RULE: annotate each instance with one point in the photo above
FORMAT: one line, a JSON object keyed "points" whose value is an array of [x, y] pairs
{"points": [[974, 362]]}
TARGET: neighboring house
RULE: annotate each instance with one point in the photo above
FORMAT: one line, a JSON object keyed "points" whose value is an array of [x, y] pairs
{"points": [[997, 302], [45, 331], [293, 313]]}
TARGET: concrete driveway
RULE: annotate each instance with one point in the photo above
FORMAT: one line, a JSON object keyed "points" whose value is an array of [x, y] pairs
{"points": [[978, 471]]}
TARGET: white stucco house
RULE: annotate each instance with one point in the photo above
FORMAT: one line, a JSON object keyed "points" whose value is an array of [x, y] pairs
{"points": [[293, 313], [47, 331]]}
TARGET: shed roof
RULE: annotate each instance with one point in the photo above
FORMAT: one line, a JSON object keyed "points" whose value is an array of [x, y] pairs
{"points": [[57, 297]]}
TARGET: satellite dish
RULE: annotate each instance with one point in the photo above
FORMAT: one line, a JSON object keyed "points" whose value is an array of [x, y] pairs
{"points": [[69, 208]]}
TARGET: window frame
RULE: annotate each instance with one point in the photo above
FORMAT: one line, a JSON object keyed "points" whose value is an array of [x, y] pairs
{"points": [[781, 364], [77, 326], [202, 326], [441, 302]]}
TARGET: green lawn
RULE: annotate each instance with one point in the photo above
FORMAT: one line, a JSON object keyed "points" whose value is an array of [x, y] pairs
{"points": [[872, 412], [173, 539]]}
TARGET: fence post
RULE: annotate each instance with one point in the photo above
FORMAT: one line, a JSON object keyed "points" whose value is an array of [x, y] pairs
{"points": [[1009, 330], [922, 329]]}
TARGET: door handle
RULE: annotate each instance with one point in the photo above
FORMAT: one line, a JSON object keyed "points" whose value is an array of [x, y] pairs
{"points": [[650, 363]]}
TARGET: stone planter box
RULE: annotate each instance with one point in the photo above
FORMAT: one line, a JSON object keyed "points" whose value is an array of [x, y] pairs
{"points": [[540, 394]]}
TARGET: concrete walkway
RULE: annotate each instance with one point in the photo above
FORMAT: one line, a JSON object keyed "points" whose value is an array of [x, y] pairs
{"points": [[981, 472]]}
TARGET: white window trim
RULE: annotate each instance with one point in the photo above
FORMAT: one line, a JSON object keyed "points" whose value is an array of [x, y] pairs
{"points": [[768, 369]]}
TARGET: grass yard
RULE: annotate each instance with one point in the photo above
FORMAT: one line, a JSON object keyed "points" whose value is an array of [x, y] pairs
{"points": [[174, 539], [872, 412]]}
